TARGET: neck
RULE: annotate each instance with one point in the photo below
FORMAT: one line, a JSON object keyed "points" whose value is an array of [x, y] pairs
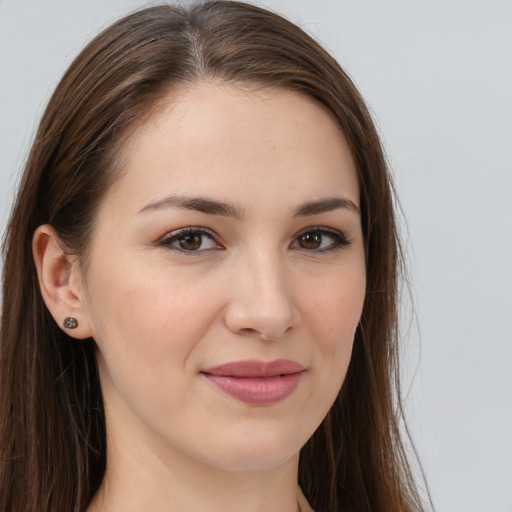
{"points": [[139, 477]]}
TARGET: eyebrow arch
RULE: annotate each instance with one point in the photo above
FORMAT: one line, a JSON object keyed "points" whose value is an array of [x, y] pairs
{"points": [[200, 204], [213, 207], [325, 205]]}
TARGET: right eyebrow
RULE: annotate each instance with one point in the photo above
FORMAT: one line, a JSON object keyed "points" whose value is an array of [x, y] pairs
{"points": [[200, 204]]}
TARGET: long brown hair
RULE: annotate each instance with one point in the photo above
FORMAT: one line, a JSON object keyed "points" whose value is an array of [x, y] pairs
{"points": [[52, 428]]}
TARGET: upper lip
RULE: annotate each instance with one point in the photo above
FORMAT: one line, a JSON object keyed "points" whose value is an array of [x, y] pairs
{"points": [[254, 368]]}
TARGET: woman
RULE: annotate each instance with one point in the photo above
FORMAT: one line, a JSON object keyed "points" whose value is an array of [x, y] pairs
{"points": [[200, 281]]}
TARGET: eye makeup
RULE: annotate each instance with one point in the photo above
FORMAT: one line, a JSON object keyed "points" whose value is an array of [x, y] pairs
{"points": [[196, 240]]}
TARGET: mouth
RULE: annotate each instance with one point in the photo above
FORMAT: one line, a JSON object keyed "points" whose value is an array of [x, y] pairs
{"points": [[256, 382]]}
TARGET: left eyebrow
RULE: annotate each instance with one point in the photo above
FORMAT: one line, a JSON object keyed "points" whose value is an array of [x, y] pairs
{"points": [[325, 205]]}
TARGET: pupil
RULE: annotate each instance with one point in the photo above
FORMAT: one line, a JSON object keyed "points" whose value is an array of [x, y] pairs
{"points": [[190, 242], [311, 240]]}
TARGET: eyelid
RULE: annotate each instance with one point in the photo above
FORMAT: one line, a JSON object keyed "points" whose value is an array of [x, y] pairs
{"points": [[340, 238], [166, 240]]}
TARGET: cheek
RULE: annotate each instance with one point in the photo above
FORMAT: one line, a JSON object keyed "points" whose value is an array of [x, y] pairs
{"points": [[150, 315], [146, 328], [334, 310]]}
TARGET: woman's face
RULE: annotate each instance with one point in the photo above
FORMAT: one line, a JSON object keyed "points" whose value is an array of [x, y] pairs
{"points": [[226, 278]]}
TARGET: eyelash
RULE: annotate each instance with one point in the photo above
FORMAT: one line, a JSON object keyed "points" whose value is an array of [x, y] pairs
{"points": [[180, 234], [339, 239]]}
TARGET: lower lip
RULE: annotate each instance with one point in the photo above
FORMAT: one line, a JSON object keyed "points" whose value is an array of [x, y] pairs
{"points": [[257, 391]]}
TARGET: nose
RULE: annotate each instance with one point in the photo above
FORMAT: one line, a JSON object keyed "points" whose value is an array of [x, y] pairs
{"points": [[263, 303]]}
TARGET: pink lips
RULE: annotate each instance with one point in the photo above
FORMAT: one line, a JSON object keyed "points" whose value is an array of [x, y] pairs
{"points": [[256, 382]]}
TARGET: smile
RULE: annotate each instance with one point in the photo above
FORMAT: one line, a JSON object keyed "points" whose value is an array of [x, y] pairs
{"points": [[256, 382]]}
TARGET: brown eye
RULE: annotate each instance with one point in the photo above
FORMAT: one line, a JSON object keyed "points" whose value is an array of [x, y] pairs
{"points": [[191, 242], [320, 240], [310, 240]]}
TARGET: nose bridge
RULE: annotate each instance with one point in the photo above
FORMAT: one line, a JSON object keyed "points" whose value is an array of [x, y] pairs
{"points": [[263, 301], [269, 278]]}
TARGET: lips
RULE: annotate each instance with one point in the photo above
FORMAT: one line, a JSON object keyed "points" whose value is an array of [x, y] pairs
{"points": [[256, 382]]}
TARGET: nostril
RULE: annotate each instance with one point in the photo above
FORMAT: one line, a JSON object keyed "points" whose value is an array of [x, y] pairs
{"points": [[248, 330], [260, 319]]}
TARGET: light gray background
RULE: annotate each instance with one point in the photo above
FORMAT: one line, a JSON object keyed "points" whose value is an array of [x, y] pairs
{"points": [[438, 77]]}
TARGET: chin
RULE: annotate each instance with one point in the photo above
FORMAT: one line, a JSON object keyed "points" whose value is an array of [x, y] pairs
{"points": [[256, 451]]}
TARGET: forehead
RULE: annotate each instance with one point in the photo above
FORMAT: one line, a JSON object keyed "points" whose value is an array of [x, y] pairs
{"points": [[222, 140]]}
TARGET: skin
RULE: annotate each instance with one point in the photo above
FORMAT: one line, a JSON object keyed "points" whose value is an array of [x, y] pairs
{"points": [[253, 288]]}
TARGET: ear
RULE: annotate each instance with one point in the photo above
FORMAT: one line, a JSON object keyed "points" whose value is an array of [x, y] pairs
{"points": [[60, 281]]}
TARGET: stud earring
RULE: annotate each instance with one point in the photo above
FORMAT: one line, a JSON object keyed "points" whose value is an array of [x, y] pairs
{"points": [[70, 323]]}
